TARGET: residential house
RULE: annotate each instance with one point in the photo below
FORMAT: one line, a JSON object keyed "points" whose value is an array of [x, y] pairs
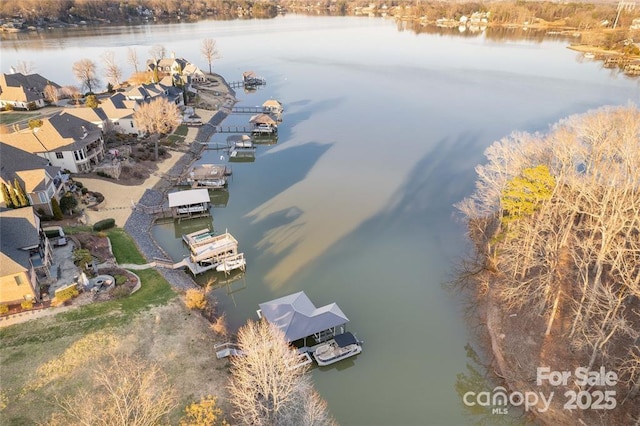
{"points": [[65, 140], [23, 91], [41, 181], [95, 116], [194, 73], [147, 92], [168, 66], [25, 256], [119, 111]]}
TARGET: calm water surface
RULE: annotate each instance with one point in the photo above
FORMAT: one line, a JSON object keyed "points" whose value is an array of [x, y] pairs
{"points": [[353, 205]]}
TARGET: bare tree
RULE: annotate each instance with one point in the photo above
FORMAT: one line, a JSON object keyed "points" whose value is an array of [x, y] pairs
{"points": [[127, 392], [575, 251], [71, 92], [112, 70], [141, 77], [158, 116], [157, 52], [51, 93], [24, 67], [85, 72], [132, 58], [266, 388], [209, 51]]}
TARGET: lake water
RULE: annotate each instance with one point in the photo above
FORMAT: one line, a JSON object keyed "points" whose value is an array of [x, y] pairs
{"points": [[353, 205]]}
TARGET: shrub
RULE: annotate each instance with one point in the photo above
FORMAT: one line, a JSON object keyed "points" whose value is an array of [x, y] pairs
{"points": [[195, 299], [104, 175], [79, 185], [27, 304], [84, 191], [104, 224], [120, 279], [9, 107], [82, 257], [4, 309], [119, 292]]}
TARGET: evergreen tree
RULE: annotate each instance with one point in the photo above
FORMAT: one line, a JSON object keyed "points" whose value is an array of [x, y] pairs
{"points": [[55, 207], [14, 197], [6, 195], [22, 197]]}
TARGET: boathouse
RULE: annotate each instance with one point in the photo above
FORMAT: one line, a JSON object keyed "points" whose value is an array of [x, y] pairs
{"points": [[273, 106], [263, 124], [189, 204], [299, 319], [212, 176]]}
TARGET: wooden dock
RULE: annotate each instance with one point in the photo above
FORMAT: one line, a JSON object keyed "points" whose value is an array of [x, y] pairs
{"points": [[250, 110]]}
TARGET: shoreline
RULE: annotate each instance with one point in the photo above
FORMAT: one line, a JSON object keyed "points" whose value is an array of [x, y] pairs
{"points": [[138, 225]]}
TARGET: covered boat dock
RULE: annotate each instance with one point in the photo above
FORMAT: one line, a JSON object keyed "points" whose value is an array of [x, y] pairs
{"points": [[300, 320]]}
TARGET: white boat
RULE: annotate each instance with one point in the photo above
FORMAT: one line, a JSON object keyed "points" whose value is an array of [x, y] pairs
{"points": [[340, 347], [236, 262], [589, 55]]}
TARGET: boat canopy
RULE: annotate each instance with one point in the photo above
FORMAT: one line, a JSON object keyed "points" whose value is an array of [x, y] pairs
{"points": [[185, 198], [298, 317], [345, 339]]}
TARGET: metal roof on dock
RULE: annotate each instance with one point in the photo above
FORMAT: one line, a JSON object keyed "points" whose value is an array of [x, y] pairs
{"points": [[298, 317], [191, 196]]}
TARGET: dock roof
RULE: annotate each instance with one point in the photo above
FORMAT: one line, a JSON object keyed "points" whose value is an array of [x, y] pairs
{"points": [[298, 317], [191, 196]]}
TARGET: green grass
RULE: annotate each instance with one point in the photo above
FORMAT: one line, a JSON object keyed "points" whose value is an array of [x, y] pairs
{"points": [[13, 117], [70, 230], [155, 291], [124, 248], [174, 139], [181, 130]]}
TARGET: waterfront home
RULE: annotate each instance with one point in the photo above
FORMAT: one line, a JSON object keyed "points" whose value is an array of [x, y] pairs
{"points": [[95, 116], [25, 256], [40, 181], [24, 91], [66, 141], [119, 111]]}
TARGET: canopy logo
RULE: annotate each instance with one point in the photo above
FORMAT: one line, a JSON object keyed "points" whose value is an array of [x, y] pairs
{"points": [[590, 399]]}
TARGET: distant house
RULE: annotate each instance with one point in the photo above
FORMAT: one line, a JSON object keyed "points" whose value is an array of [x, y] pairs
{"points": [[25, 256], [65, 140], [41, 182], [147, 92], [167, 65], [194, 73], [21, 90]]}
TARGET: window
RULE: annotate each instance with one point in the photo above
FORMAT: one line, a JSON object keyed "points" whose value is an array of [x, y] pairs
{"points": [[43, 197], [18, 279], [59, 155]]}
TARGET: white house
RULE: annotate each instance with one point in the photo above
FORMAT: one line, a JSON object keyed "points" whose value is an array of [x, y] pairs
{"points": [[67, 141]]}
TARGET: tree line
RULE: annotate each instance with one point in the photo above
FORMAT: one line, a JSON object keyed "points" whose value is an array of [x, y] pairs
{"points": [[555, 220], [573, 14]]}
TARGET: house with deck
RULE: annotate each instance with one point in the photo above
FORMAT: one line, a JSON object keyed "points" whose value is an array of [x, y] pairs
{"points": [[24, 91], [40, 181], [25, 256], [66, 141]]}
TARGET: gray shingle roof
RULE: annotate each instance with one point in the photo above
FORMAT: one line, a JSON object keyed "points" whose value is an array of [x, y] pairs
{"points": [[298, 317], [18, 229]]}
